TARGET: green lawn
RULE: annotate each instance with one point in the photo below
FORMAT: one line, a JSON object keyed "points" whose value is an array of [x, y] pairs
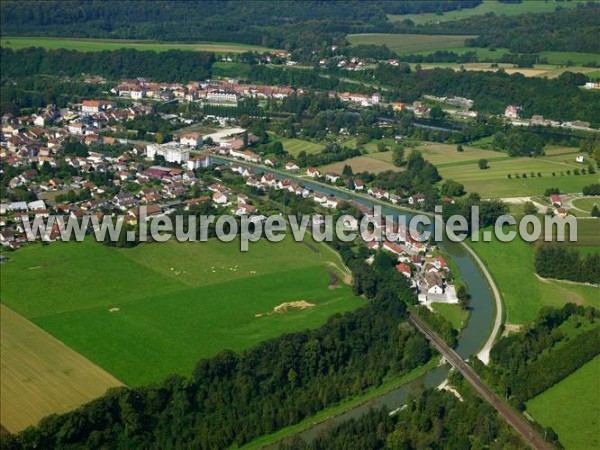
{"points": [[587, 204], [511, 266], [92, 45], [454, 313], [154, 310], [295, 146], [572, 408], [488, 6], [409, 43]]}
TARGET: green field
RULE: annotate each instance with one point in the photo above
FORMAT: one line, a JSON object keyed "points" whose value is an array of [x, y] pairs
{"points": [[586, 204], [488, 6], [572, 408], [454, 313], [295, 146], [494, 182], [409, 43], [523, 294], [154, 310], [94, 45]]}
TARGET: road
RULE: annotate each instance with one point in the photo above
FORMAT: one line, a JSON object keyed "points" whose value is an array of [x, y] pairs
{"points": [[520, 424]]}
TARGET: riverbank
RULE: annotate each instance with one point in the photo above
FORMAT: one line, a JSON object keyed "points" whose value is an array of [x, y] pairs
{"points": [[348, 405]]}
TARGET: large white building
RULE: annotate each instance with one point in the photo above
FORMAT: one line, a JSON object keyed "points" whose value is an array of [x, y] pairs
{"points": [[172, 152], [219, 96]]}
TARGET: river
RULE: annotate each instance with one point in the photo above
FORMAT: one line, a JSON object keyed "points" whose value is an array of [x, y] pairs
{"points": [[470, 341]]}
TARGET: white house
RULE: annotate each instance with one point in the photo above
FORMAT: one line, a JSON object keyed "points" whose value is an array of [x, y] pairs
{"points": [[198, 162], [332, 176], [172, 152], [291, 166], [219, 198], [191, 139]]}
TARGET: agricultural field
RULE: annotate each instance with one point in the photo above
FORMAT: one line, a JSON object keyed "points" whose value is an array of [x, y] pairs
{"points": [[540, 70], [295, 146], [159, 308], [370, 163], [94, 45], [572, 407], [445, 155], [409, 43], [488, 6], [524, 294], [41, 375], [494, 181]]}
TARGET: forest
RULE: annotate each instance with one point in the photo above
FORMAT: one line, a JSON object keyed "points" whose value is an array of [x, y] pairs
{"points": [[169, 66], [568, 30], [289, 25], [432, 419], [565, 263], [524, 364], [233, 398]]}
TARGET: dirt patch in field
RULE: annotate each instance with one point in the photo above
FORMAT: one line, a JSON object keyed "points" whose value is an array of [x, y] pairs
{"points": [[285, 307], [511, 328], [334, 281], [114, 310]]}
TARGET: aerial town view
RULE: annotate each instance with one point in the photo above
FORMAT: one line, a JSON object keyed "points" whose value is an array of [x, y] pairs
{"points": [[300, 224]]}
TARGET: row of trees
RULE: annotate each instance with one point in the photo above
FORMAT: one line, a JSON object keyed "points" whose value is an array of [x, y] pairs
{"points": [[565, 263], [524, 364]]}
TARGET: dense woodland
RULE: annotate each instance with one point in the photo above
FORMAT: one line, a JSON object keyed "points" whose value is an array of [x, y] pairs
{"points": [[169, 66], [565, 263], [233, 398], [432, 419], [289, 24], [294, 25], [525, 364]]}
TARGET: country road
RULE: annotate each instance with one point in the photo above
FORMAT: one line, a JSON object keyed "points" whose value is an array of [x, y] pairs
{"points": [[520, 424]]}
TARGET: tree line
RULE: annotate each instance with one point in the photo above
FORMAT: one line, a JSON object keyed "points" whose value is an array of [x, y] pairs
{"points": [[169, 66], [564, 263], [524, 364], [432, 419]]}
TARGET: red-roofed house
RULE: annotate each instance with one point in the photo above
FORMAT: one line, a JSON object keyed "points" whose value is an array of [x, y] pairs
{"points": [[404, 269]]}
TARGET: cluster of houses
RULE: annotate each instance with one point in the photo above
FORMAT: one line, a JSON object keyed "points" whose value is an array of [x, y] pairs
{"points": [[512, 113], [210, 91]]}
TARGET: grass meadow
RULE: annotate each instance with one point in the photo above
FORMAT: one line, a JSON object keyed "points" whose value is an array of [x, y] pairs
{"points": [[572, 407], [586, 204], [295, 146], [157, 309], [41, 375], [488, 6], [524, 294], [454, 313], [95, 45]]}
